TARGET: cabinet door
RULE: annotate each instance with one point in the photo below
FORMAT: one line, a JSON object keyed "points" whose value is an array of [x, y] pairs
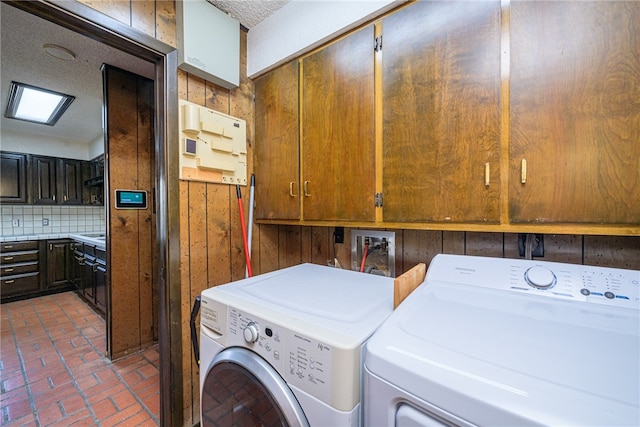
{"points": [[441, 118], [338, 128], [87, 275], [44, 174], [100, 286], [58, 264], [13, 185], [77, 266], [277, 170], [70, 182], [575, 114]]}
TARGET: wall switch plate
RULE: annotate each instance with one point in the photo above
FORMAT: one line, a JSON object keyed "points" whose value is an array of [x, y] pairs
{"points": [[15, 222], [338, 235], [45, 221], [381, 255]]}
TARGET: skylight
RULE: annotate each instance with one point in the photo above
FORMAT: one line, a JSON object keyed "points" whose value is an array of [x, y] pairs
{"points": [[34, 104]]}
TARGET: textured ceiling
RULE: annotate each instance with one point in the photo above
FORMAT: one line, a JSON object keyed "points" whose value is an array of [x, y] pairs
{"points": [[24, 60], [249, 12]]}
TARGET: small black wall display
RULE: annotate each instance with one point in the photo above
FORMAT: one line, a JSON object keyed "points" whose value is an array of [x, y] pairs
{"points": [[131, 199]]}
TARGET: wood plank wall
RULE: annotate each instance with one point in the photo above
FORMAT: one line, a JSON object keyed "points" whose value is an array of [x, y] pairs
{"points": [[133, 292], [210, 237]]}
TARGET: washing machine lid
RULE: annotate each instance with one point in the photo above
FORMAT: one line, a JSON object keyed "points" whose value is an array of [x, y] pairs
{"points": [[496, 356], [328, 301]]}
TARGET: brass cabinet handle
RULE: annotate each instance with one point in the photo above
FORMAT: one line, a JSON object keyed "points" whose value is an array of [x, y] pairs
{"points": [[487, 174], [8, 246], [8, 270], [291, 193], [523, 171], [8, 258], [8, 282], [65, 198], [305, 188]]}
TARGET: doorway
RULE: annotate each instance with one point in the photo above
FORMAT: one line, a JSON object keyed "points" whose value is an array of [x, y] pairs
{"points": [[88, 22]]}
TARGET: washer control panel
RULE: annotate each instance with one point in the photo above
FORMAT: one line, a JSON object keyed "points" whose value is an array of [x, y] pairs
{"points": [[301, 360], [598, 285]]}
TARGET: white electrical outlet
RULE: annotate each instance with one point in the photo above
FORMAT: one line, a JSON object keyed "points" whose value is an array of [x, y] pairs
{"points": [[45, 221], [15, 222], [380, 254]]}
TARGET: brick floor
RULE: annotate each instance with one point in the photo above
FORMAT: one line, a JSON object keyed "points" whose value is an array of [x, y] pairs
{"points": [[53, 371]]}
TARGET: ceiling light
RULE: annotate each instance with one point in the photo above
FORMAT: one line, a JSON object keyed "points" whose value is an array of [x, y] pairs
{"points": [[34, 104], [59, 52]]}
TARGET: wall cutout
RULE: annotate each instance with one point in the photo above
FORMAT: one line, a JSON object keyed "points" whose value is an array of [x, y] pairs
{"points": [[213, 146]]}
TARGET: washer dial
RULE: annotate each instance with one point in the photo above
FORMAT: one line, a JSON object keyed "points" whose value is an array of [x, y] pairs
{"points": [[540, 277], [251, 332]]}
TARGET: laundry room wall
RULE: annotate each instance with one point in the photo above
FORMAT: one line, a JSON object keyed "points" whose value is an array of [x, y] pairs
{"points": [[210, 236]]}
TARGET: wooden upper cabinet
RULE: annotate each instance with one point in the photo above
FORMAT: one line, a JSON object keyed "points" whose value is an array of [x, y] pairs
{"points": [[575, 112], [13, 186], [441, 112], [277, 168], [338, 129], [70, 184], [44, 172]]}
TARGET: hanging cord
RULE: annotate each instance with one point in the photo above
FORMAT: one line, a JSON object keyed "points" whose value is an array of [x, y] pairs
{"points": [[244, 232], [365, 252], [250, 225]]}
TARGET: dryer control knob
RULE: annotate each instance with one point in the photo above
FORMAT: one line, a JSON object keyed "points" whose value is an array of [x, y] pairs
{"points": [[251, 332], [540, 277]]}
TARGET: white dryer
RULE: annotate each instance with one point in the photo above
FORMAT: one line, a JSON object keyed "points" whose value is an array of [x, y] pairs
{"points": [[502, 342], [285, 348]]}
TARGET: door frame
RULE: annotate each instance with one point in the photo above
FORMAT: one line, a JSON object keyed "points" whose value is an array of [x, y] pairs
{"points": [[104, 29]]}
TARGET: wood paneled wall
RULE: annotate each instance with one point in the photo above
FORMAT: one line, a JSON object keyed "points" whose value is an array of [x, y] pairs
{"points": [[210, 235], [133, 292]]}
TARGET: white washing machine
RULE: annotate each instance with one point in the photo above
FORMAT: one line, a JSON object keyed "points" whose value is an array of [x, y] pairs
{"points": [[285, 348], [502, 342]]}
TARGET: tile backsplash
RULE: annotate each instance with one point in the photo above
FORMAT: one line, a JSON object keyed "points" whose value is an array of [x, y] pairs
{"points": [[61, 219]]}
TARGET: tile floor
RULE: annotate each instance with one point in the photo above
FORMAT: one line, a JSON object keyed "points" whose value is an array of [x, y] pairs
{"points": [[53, 372]]}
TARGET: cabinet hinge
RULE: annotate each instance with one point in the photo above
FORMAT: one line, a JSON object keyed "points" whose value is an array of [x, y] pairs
{"points": [[377, 43], [377, 200]]}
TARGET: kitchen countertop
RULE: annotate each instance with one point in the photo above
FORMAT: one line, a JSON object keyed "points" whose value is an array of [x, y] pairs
{"points": [[91, 238]]}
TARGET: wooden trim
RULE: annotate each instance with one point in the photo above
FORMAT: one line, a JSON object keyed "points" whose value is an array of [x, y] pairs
{"points": [[586, 229], [505, 103]]}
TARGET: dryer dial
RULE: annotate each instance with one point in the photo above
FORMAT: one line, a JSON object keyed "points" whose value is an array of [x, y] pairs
{"points": [[540, 277], [251, 332]]}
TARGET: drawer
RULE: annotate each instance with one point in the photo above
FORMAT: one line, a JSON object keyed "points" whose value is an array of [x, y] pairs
{"points": [[18, 246], [18, 257], [12, 270], [88, 249], [22, 284]]}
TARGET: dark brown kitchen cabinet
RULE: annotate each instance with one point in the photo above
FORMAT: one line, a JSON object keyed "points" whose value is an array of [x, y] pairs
{"points": [[277, 146], [100, 281], [575, 117], [338, 130], [88, 265], [59, 257], [19, 269], [56, 181], [44, 178], [70, 182], [13, 186], [441, 112], [77, 266]]}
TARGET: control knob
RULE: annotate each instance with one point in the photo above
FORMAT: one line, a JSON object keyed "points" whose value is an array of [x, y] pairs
{"points": [[540, 277], [251, 332]]}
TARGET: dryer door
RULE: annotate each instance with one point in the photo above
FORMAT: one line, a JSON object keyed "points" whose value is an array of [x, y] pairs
{"points": [[240, 388]]}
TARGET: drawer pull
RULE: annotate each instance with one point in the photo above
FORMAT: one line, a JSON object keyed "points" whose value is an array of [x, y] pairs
{"points": [[8, 246], [306, 189], [487, 174], [8, 282], [8, 258], [523, 171], [8, 270], [291, 190]]}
